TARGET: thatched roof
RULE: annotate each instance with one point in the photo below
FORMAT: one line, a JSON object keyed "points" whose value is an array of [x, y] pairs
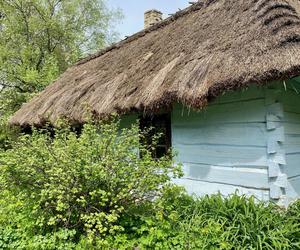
{"points": [[211, 47]]}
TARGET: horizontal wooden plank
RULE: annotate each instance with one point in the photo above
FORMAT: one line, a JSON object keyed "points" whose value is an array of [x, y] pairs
{"points": [[293, 189], [281, 85], [249, 111], [291, 123], [222, 155], [250, 93], [291, 128], [292, 143], [246, 177], [295, 80], [289, 98], [291, 117], [201, 188], [293, 165], [234, 134], [283, 92], [291, 108]]}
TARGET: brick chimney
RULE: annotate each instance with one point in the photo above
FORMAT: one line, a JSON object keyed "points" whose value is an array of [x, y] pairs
{"points": [[152, 17]]}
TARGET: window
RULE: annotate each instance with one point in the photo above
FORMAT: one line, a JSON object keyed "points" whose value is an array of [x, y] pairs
{"points": [[161, 124]]}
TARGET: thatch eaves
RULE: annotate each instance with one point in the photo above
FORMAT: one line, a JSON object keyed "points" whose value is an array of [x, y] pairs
{"points": [[202, 51]]}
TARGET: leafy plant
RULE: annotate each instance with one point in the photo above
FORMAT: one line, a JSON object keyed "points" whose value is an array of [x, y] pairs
{"points": [[84, 183], [102, 189], [180, 221], [40, 39]]}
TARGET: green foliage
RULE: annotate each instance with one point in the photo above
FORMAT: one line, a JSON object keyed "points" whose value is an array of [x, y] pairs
{"points": [[9, 102], [102, 189], [39, 39], [180, 221], [85, 183], [14, 239]]}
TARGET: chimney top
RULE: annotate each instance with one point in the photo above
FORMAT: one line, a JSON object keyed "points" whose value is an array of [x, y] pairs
{"points": [[152, 17]]}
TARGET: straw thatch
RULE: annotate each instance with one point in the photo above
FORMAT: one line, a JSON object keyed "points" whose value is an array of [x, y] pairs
{"points": [[211, 47]]}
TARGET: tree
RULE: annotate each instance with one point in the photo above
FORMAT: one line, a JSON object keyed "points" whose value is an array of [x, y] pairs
{"points": [[39, 39]]}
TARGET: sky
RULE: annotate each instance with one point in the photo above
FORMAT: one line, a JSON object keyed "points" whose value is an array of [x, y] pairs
{"points": [[133, 11]]}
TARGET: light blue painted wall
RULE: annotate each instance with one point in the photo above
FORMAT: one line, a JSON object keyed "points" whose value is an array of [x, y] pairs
{"points": [[245, 140], [288, 95], [224, 147]]}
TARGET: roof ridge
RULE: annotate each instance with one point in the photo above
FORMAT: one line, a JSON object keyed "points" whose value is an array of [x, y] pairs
{"points": [[194, 7]]}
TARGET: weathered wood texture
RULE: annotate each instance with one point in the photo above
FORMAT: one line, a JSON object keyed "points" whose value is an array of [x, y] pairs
{"points": [[245, 140], [224, 147], [288, 95]]}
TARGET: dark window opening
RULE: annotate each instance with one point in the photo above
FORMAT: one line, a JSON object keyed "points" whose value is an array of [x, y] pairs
{"points": [[160, 124]]}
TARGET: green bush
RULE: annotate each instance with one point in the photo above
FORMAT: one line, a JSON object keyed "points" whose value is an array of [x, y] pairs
{"points": [[102, 189], [85, 183], [180, 221]]}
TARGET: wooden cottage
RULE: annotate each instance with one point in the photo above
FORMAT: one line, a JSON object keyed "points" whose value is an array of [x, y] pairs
{"points": [[220, 78]]}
